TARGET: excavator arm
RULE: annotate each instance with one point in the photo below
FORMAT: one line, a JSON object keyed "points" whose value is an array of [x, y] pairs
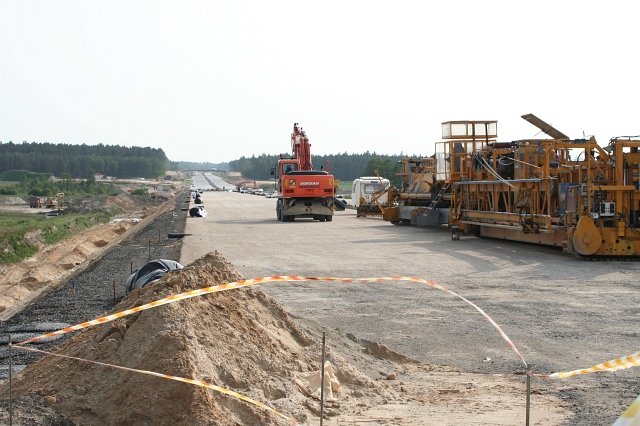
{"points": [[301, 147]]}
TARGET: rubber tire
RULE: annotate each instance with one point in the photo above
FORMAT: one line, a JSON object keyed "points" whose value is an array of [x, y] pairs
{"points": [[328, 218]]}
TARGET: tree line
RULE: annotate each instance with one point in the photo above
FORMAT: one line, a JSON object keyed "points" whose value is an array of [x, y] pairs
{"points": [[39, 184], [344, 167], [82, 160], [193, 165]]}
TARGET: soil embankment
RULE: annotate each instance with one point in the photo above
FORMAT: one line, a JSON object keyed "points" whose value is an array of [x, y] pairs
{"points": [[23, 282]]}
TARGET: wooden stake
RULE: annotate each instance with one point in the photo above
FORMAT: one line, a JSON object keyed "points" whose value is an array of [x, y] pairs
{"points": [[10, 385], [528, 395], [322, 381]]}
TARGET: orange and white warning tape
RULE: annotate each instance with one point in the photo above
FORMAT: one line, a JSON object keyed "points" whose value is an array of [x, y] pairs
{"points": [[230, 286], [613, 365], [244, 283], [176, 378]]}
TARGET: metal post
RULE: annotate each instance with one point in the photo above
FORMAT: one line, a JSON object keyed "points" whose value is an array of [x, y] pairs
{"points": [[10, 385], [528, 395]]}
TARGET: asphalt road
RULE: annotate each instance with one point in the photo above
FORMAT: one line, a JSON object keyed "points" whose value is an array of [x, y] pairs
{"points": [[218, 182], [562, 312]]}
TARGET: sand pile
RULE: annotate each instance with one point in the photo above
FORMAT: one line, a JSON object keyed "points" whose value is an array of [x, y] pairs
{"points": [[239, 339]]}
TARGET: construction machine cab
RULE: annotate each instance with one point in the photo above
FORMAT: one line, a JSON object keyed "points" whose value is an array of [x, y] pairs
{"points": [[290, 168]]}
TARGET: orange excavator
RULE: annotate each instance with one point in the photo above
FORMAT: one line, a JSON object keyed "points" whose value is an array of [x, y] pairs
{"points": [[242, 184], [302, 191]]}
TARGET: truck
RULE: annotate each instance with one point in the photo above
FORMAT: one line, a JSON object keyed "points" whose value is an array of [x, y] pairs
{"points": [[302, 191], [35, 202], [369, 195]]}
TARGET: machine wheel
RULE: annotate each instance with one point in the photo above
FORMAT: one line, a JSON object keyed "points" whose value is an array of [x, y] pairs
{"points": [[586, 237], [328, 218]]}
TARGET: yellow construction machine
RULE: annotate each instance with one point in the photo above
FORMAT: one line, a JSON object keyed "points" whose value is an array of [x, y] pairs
{"points": [[426, 195], [53, 202], [564, 192]]}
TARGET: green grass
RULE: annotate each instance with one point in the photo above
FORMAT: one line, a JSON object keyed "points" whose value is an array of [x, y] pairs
{"points": [[268, 187], [345, 185], [18, 233]]}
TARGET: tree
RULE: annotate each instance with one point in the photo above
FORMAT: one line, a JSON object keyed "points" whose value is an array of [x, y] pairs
{"points": [[385, 168]]}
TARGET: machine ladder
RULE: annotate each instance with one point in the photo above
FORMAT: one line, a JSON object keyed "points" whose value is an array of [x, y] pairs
{"points": [[436, 200]]}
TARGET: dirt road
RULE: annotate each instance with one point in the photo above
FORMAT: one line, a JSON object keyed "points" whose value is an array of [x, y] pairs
{"points": [[562, 313]]}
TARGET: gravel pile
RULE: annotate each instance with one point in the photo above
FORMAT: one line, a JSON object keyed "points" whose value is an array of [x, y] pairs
{"points": [[90, 294]]}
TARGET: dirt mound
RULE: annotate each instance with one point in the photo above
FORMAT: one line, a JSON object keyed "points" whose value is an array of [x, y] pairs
{"points": [[124, 202], [11, 201], [113, 204], [239, 339]]}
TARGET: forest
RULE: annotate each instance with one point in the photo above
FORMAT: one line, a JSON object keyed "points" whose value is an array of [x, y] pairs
{"points": [[81, 160], [192, 165], [344, 167]]}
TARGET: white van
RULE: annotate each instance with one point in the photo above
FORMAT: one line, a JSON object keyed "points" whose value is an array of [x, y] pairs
{"points": [[366, 187]]}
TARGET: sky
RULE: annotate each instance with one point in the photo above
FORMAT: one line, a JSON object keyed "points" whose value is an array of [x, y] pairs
{"points": [[217, 80]]}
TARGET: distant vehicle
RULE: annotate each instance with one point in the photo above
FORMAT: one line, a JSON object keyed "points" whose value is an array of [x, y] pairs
{"points": [[369, 190], [53, 202], [370, 195], [35, 202]]}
